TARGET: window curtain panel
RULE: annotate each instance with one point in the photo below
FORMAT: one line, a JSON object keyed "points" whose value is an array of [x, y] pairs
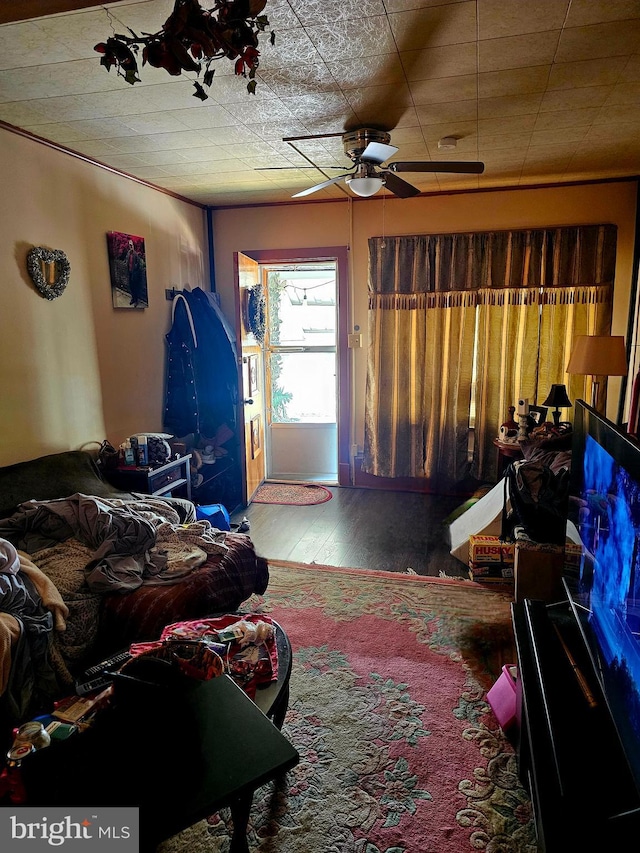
{"points": [[498, 308]]}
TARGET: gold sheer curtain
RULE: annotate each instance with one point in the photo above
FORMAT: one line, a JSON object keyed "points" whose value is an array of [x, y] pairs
{"points": [[494, 309]]}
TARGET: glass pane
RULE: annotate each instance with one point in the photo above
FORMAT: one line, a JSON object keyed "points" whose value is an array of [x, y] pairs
{"points": [[302, 307], [303, 387]]}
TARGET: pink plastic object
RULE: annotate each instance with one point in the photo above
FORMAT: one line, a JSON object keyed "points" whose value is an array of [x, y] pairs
{"points": [[502, 698]]}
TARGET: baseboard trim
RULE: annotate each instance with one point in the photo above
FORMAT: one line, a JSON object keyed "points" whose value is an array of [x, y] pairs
{"points": [[392, 484], [362, 480]]}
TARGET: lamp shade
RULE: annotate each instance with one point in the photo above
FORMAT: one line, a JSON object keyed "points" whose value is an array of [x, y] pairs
{"points": [[598, 355], [558, 397], [364, 186]]}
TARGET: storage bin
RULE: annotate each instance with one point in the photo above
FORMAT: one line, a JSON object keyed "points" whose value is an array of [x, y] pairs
{"points": [[216, 514], [502, 697]]}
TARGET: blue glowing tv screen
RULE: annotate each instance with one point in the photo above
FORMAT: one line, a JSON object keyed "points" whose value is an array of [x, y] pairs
{"points": [[605, 589]]}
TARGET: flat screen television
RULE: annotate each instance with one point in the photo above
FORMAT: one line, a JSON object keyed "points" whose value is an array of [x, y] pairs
{"points": [[604, 585]]}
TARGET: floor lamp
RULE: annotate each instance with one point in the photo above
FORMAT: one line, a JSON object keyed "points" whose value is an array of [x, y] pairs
{"points": [[598, 355]]}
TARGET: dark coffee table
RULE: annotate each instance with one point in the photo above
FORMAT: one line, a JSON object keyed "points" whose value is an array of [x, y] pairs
{"points": [[178, 754]]}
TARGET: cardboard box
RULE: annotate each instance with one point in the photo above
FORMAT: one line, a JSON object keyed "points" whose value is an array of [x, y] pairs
{"points": [[487, 550], [538, 569], [492, 573], [572, 555]]}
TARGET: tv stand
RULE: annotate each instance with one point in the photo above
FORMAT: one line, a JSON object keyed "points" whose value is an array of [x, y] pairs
{"points": [[570, 757]]}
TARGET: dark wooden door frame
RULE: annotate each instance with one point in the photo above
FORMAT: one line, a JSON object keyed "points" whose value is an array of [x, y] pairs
{"points": [[340, 255]]}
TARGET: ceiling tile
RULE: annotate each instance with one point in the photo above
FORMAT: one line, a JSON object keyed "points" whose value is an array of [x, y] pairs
{"points": [[517, 81], [573, 99], [503, 140], [312, 12], [583, 43], [289, 82], [257, 111], [408, 5], [336, 41], [566, 118], [624, 94], [631, 71], [497, 19], [405, 65], [592, 72], [453, 23], [227, 135], [550, 137], [435, 62], [518, 51], [289, 44], [65, 133], [367, 70], [447, 111], [509, 105], [203, 116], [583, 12], [444, 90], [96, 148], [311, 104], [23, 113], [22, 41], [163, 122], [511, 124]]}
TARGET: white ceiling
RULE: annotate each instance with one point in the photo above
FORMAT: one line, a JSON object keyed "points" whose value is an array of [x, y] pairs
{"points": [[542, 91]]}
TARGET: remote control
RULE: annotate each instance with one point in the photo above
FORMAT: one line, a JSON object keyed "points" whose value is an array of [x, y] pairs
{"points": [[98, 676]]}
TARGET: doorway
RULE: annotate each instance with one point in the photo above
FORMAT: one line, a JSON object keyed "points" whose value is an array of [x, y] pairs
{"points": [[301, 371], [255, 408]]}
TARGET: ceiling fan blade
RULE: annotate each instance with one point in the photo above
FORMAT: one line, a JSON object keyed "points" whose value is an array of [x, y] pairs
{"points": [[295, 168], [321, 186], [460, 166], [398, 186], [376, 152]]}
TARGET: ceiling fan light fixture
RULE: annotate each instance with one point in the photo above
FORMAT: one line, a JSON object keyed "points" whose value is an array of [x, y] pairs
{"points": [[447, 143], [364, 186]]}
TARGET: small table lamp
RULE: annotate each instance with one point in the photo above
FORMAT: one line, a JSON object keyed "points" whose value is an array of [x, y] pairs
{"points": [[598, 355], [559, 399]]}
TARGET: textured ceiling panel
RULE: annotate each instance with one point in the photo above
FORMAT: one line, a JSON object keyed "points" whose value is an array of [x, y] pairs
{"points": [[543, 91]]}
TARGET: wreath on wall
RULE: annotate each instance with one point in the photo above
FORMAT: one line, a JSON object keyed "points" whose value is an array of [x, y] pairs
{"points": [[256, 311], [49, 270]]}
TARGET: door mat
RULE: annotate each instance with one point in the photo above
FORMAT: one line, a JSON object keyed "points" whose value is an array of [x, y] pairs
{"points": [[291, 494]]}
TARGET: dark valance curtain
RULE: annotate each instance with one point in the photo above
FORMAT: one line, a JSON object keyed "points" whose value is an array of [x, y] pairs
{"points": [[438, 270], [460, 325]]}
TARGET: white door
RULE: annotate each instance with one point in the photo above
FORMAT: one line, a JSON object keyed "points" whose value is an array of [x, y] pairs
{"points": [[301, 371]]}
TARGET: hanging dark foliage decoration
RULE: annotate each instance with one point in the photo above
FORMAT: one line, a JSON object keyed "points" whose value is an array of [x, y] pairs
{"points": [[191, 39], [256, 311]]}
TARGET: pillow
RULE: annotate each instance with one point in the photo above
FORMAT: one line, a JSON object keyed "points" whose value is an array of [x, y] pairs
{"points": [[49, 477]]}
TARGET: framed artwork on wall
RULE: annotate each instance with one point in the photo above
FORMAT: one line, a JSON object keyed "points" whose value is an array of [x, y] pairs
{"points": [[256, 447], [128, 268], [253, 374]]}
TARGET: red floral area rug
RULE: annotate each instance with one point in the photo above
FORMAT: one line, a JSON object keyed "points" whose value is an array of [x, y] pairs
{"points": [[399, 750], [291, 494]]}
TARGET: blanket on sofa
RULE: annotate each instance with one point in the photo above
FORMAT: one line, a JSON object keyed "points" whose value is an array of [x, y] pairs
{"points": [[130, 543], [88, 546]]}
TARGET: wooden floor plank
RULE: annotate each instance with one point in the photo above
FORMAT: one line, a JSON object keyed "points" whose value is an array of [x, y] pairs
{"points": [[361, 528]]}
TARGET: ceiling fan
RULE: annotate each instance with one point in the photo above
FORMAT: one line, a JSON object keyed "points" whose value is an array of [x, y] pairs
{"points": [[369, 148]]}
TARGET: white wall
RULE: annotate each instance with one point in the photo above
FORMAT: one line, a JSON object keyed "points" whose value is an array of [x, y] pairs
{"points": [[351, 223], [74, 369]]}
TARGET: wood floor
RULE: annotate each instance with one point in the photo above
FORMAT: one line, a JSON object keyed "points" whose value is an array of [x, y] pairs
{"points": [[359, 528]]}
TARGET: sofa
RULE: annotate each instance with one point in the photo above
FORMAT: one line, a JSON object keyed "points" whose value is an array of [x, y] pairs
{"points": [[119, 566]]}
